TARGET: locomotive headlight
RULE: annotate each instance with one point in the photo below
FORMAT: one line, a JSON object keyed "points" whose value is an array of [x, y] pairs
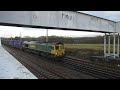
{"points": [[56, 53]]}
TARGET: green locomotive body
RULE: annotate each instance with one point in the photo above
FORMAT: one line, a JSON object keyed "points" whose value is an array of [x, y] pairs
{"points": [[53, 50]]}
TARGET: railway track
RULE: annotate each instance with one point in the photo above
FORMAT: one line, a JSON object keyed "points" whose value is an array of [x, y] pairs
{"points": [[69, 68], [96, 70], [39, 71], [43, 69]]}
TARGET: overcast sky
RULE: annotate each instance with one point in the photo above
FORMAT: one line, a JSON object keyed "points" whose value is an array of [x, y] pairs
{"points": [[15, 31], [112, 15]]}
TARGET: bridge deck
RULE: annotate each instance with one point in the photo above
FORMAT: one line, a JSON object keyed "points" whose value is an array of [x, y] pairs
{"points": [[66, 20]]}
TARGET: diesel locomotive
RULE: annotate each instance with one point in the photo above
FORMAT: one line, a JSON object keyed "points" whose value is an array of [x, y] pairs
{"points": [[51, 50]]}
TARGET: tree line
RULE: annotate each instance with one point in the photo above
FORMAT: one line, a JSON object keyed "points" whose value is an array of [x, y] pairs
{"points": [[69, 40]]}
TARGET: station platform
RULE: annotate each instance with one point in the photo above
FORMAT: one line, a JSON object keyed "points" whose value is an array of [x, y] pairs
{"points": [[10, 68]]}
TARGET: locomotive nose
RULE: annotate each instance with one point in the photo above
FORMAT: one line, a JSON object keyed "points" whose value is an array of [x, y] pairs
{"points": [[60, 53]]}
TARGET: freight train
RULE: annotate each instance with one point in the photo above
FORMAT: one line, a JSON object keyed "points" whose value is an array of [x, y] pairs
{"points": [[53, 50]]}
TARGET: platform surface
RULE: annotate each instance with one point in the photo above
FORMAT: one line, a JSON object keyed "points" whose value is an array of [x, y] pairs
{"points": [[10, 68]]}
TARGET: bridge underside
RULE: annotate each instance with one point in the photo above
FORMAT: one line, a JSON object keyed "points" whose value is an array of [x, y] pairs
{"points": [[44, 27]]}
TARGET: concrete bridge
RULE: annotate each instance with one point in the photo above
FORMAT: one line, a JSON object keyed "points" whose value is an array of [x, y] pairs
{"points": [[65, 20]]}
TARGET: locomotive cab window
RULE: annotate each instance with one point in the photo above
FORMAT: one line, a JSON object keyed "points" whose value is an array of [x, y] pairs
{"points": [[61, 47], [57, 47]]}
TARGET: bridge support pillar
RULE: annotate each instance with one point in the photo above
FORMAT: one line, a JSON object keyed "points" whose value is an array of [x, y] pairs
{"points": [[114, 45], [113, 54], [47, 35], [109, 44], [105, 45], [118, 46]]}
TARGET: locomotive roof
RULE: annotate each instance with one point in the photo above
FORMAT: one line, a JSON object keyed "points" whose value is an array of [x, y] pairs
{"points": [[34, 42], [31, 42], [53, 43]]}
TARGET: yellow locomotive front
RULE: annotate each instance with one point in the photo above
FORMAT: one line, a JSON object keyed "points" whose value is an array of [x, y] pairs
{"points": [[59, 50]]}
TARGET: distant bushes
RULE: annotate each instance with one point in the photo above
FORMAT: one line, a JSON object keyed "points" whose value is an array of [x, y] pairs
{"points": [[69, 40]]}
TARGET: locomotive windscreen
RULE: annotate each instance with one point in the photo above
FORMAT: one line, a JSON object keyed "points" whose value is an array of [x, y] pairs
{"points": [[59, 46]]}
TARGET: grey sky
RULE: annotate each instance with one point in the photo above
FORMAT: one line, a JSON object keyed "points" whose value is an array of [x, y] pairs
{"points": [[15, 31], [112, 15]]}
